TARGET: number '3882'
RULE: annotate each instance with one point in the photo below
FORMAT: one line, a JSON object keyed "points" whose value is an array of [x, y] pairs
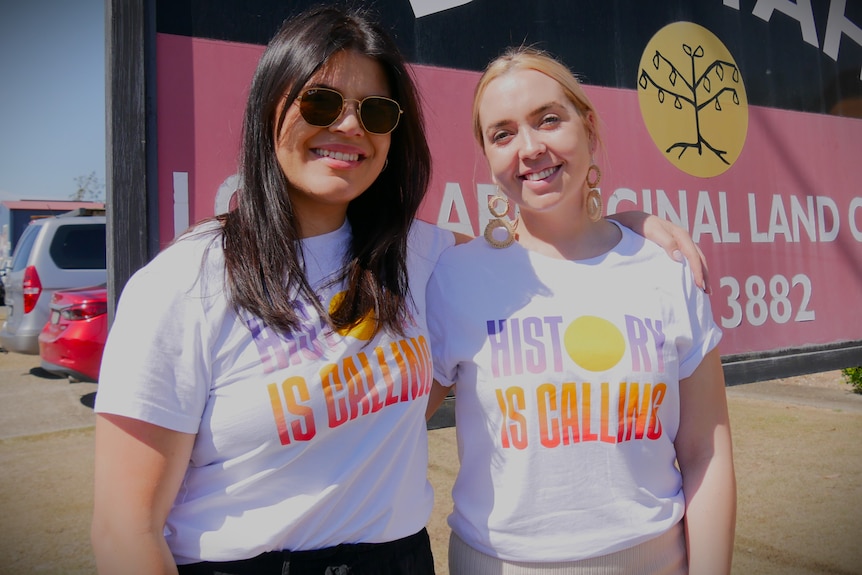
{"points": [[758, 300]]}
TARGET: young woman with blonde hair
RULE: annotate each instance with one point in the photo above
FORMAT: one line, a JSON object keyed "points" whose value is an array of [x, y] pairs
{"points": [[591, 416]]}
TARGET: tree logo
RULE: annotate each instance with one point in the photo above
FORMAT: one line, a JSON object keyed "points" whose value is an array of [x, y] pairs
{"points": [[692, 99]]}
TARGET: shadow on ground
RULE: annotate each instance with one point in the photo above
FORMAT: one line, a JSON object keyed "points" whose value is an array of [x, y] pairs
{"points": [[89, 399]]}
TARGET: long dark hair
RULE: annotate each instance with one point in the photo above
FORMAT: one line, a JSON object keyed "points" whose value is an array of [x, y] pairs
{"points": [[261, 236]]}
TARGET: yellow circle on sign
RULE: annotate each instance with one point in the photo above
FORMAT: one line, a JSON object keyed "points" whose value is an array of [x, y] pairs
{"points": [[692, 99], [594, 343], [364, 329]]}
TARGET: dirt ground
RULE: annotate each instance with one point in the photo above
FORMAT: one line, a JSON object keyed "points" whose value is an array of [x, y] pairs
{"points": [[797, 448]]}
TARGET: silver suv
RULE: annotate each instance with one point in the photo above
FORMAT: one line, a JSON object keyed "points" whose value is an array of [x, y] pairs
{"points": [[53, 253]]}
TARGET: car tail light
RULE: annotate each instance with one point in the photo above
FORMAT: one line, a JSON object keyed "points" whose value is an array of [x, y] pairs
{"points": [[32, 288], [84, 311]]}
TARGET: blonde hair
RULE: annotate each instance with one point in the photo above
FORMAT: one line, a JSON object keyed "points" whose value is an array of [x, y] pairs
{"points": [[529, 58]]}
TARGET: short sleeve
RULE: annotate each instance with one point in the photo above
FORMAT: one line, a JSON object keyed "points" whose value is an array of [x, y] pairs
{"points": [[156, 363], [705, 333]]}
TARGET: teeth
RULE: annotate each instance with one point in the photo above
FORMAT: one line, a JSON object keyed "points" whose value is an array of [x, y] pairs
{"points": [[540, 175], [338, 155]]}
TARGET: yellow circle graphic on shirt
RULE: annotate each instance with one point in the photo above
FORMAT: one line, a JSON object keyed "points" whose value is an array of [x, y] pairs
{"points": [[364, 329], [692, 99], [594, 343]]}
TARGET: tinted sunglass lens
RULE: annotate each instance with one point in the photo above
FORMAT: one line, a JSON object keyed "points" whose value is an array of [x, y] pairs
{"points": [[320, 107], [379, 115]]}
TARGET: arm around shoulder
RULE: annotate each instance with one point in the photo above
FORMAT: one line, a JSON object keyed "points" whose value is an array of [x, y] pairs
{"points": [[138, 472], [675, 241]]}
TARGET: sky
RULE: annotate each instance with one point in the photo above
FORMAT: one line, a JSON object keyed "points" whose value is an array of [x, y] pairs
{"points": [[52, 97]]}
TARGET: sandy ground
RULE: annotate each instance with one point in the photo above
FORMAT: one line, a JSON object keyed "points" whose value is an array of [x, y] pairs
{"points": [[797, 448]]}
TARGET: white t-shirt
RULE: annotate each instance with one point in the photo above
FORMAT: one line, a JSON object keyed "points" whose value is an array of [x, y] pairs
{"points": [[567, 394], [304, 440]]}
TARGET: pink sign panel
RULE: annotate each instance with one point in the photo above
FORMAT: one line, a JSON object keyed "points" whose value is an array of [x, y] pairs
{"points": [[781, 228]]}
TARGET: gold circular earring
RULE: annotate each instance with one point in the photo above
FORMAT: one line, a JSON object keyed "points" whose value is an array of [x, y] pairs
{"points": [[499, 222], [594, 176], [594, 197]]}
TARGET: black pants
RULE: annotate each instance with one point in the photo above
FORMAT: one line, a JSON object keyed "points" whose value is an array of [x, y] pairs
{"points": [[408, 556]]}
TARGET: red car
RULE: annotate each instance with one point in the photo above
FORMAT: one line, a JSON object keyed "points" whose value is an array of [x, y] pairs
{"points": [[72, 341]]}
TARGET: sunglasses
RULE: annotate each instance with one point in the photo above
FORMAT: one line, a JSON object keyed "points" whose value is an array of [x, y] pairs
{"points": [[321, 107]]}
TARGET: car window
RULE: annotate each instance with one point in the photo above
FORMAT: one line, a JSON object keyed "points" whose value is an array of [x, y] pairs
{"points": [[24, 247], [80, 247]]}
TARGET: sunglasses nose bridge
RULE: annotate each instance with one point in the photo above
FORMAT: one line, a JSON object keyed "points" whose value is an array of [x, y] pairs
{"points": [[357, 110], [345, 100]]}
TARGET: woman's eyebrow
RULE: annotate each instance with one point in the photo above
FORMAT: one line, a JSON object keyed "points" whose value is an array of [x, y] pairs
{"points": [[545, 107], [536, 112]]}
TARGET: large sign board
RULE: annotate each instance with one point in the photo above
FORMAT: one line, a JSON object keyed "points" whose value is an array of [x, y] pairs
{"points": [[722, 117]]}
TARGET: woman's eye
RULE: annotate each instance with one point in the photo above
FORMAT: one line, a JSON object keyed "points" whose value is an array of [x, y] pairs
{"points": [[550, 120], [501, 136]]}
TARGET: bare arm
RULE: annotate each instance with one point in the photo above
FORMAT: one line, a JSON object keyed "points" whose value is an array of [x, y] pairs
{"points": [[705, 457], [138, 472], [435, 398], [673, 239]]}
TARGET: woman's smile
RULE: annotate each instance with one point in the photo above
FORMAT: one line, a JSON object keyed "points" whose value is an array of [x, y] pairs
{"points": [[340, 156], [541, 175]]}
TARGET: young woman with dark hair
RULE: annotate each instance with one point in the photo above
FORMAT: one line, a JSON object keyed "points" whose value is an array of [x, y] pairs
{"points": [[272, 412]]}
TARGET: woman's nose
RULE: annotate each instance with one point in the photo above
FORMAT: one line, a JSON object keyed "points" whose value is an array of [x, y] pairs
{"points": [[532, 145], [348, 121]]}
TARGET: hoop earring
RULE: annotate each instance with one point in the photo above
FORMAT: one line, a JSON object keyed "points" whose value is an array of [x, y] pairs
{"points": [[594, 197], [498, 222], [385, 164]]}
